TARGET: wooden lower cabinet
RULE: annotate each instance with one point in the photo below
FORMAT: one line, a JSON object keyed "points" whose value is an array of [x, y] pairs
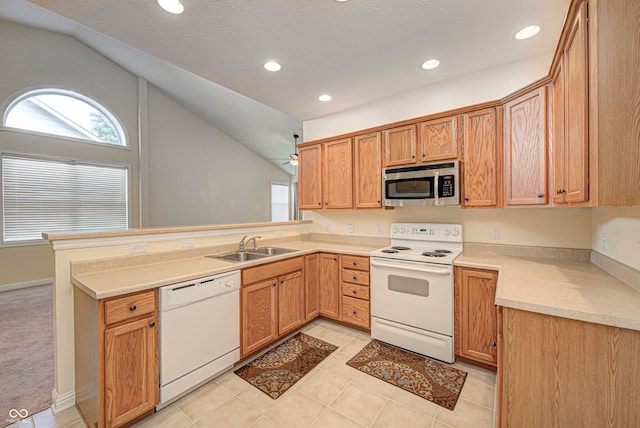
{"points": [[354, 275], [329, 285], [272, 302], [559, 372], [116, 355], [311, 286], [259, 311], [476, 315]]}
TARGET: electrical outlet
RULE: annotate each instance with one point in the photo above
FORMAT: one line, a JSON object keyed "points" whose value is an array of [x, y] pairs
{"points": [[495, 233], [137, 248], [603, 244], [379, 229], [327, 227], [279, 234], [350, 227], [187, 243]]}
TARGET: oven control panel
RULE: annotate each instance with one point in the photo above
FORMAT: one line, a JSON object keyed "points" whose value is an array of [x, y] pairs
{"points": [[427, 231]]}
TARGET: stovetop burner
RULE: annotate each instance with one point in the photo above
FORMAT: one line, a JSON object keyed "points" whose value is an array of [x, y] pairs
{"points": [[400, 248], [434, 254], [390, 251], [442, 251]]}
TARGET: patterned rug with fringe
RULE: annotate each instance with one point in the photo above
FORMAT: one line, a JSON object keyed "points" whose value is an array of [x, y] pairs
{"points": [[434, 381], [281, 367]]}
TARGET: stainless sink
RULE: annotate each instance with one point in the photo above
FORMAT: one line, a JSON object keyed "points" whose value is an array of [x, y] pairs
{"points": [[239, 256], [271, 251]]}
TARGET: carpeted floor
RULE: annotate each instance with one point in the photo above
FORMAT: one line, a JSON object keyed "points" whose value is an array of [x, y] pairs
{"points": [[434, 381], [26, 350]]}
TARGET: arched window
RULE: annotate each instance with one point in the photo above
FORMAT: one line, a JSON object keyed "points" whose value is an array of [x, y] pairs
{"points": [[64, 113]]}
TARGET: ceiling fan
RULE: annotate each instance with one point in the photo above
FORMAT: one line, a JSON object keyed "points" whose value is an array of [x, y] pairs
{"points": [[293, 157]]}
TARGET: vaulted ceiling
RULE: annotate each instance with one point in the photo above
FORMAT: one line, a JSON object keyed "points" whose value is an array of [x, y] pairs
{"points": [[358, 51]]}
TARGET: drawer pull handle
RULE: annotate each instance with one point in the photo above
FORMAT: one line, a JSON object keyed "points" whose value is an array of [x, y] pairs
{"points": [[152, 324], [132, 308]]}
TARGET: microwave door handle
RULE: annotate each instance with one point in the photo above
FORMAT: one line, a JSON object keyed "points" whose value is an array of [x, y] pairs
{"points": [[413, 268], [436, 194]]}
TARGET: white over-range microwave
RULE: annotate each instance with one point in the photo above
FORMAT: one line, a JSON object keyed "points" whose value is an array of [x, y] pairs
{"points": [[429, 184]]}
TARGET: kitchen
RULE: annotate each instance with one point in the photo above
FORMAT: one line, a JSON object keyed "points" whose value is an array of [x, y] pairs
{"points": [[578, 228]]}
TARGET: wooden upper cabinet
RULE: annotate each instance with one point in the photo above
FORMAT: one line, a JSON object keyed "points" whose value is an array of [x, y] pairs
{"points": [[367, 170], [310, 178], [525, 137], [570, 117], [400, 146], [337, 184], [438, 139], [482, 166]]}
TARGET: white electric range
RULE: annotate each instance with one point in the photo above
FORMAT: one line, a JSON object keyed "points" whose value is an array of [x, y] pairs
{"points": [[412, 288]]}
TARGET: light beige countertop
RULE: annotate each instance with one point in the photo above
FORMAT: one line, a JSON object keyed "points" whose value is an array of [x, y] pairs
{"points": [[119, 281], [571, 289]]}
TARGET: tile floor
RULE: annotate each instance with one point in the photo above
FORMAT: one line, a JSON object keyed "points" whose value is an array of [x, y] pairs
{"points": [[332, 395]]}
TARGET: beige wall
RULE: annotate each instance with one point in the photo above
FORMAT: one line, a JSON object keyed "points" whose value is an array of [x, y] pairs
{"points": [[546, 227], [616, 234], [25, 264]]}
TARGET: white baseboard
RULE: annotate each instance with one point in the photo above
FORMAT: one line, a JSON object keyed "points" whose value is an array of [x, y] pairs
{"points": [[25, 284], [62, 402]]}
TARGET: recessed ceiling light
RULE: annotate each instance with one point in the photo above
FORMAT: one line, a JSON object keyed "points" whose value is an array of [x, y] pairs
{"points": [[341, 1], [272, 66], [430, 64], [325, 98], [172, 6], [527, 32]]}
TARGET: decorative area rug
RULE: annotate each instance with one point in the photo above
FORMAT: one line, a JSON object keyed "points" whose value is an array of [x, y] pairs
{"points": [[281, 367], [426, 378]]}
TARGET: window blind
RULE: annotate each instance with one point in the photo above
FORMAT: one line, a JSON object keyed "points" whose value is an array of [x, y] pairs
{"points": [[43, 195]]}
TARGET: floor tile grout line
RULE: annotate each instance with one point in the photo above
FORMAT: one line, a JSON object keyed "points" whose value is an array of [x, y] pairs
{"points": [[183, 412], [477, 404], [379, 411]]}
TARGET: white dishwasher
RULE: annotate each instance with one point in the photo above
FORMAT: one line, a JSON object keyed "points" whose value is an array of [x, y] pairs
{"points": [[199, 332]]}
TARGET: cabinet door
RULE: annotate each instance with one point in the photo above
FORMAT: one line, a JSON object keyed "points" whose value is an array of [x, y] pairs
{"points": [[329, 286], [290, 302], [310, 179], [130, 370], [400, 146], [576, 108], [482, 160], [368, 170], [312, 296], [476, 315], [438, 139], [338, 187], [526, 149], [259, 310], [558, 143]]}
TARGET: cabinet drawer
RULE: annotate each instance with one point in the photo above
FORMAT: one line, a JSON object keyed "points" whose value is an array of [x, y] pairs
{"points": [[357, 291], [355, 276], [131, 306], [355, 262], [355, 311], [271, 270]]}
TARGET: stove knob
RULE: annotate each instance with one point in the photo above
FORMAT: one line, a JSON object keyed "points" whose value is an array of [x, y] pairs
{"points": [[447, 232], [455, 232], [402, 230], [431, 232], [395, 230]]}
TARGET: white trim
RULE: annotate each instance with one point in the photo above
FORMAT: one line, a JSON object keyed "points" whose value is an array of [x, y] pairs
{"points": [[25, 284], [62, 402], [68, 244]]}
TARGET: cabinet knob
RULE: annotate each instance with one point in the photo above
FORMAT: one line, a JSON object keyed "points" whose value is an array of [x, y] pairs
{"points": [[378, 200], [354, 263], [282, 281], [355, 277], [413, 156], [494, 344], [354, 312], [132, 308], [319, 203], [540, 195], [466, 198], [326, 203], [355, 292], [273, 285], [335, 259], [152, 324], [424, 155]]}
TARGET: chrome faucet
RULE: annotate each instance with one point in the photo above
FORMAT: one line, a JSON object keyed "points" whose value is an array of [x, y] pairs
{"points": [[254, 239]]}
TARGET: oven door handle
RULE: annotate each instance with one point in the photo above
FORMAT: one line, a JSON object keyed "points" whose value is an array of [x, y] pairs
{"points": [[410, 267]]}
